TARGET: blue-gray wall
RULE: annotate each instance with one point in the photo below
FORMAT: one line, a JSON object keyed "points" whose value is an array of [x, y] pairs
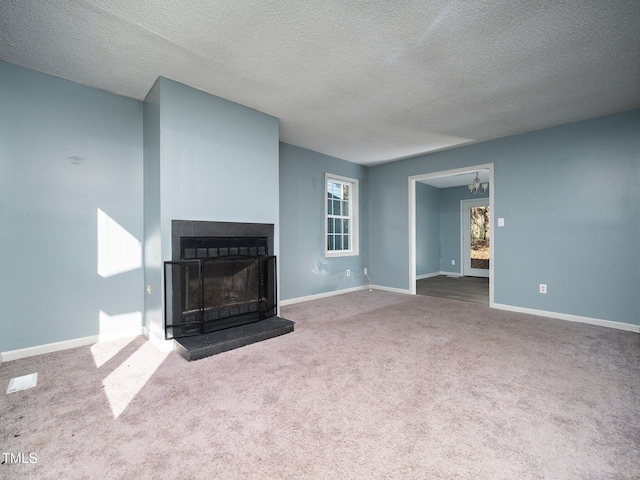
{"points": [[70, 155], [427, 229], [570, 199], [153, 304], [65, 152], [304, 270], [216, 161]]}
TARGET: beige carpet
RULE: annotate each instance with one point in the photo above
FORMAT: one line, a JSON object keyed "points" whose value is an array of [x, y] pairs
{"points": [[371, 385]]}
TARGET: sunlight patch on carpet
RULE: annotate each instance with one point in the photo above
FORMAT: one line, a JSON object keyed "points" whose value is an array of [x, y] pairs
{"points": [[125, 382], [102, 352]]}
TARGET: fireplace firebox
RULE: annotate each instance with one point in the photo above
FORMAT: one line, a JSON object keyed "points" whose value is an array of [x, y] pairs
{"points": [[221, 275]]}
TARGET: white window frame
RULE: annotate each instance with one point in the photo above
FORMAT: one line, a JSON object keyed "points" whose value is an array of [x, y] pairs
{"points": [[353, 217]]}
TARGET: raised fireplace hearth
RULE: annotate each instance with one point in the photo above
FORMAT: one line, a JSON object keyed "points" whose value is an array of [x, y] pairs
{"points": [[221, 279]]}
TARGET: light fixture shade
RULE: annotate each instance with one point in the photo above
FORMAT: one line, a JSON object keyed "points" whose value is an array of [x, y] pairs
{"points": [[477, 187]]}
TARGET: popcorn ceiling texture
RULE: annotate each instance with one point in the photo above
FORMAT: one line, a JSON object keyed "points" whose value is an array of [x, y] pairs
{"points": [[370, 385], [363, 81]]}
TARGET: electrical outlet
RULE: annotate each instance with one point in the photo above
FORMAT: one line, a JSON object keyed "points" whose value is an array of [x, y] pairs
{"points": [[453, 262], [365, 270], [348, 273], [543, 288]]}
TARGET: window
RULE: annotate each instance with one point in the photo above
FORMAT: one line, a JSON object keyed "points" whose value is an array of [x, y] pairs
{"points": [[341, 222]]}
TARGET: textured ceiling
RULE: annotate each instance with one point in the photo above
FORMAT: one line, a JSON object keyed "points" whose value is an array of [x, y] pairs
{"points": [[365, 81]]}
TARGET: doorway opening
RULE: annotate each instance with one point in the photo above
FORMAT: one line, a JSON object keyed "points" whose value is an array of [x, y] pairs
{"points": [[455, 177], [475, 244]]}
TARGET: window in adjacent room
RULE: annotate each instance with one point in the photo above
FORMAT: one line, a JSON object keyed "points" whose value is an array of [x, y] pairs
{"points": [[341, 222]]}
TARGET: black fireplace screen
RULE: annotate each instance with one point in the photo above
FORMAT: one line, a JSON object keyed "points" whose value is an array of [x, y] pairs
{"points": [[203, 295]]}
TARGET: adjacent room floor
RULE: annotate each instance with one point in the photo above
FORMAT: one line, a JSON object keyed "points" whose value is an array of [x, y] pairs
{"points": [[467, 289]]}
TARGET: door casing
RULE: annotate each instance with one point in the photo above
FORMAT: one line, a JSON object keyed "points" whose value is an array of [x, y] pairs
{"points": [[412, 221], [465, 234]]}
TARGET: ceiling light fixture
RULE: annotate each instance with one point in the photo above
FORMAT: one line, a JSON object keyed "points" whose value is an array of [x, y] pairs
{"points": [[477, 187]]}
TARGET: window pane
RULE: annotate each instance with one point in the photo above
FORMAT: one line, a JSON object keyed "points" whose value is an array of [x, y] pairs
{"points": [[338, 224], [338, 242], [345, 192], [333, 190], [330, 225], [336, 207], [345, 208], [345, 242], [330, 238], [345, 226], [329, 207]]}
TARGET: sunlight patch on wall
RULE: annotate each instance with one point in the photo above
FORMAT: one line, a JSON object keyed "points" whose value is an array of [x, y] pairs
{"points": [[125, 322], [118, 250], [125, 382]]}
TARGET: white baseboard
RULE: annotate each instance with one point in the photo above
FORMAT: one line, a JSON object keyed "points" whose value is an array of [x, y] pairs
{"points": [[317, 296], [157, 340], [292, 301], [131, 332], [437, 274], [570, 318], [168, 345], [427, 275], [405, 291], [559, 316], [66, 344], [451, 274]]}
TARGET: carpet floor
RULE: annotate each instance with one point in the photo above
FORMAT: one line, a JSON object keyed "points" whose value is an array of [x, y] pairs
{"points": [[370, 385]]}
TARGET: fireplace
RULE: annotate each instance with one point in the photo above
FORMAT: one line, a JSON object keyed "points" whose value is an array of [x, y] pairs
{"points": [[222, 275]]}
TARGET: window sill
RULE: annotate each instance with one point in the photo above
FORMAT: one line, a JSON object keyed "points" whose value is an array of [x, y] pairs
{"points": [[332, 254]]}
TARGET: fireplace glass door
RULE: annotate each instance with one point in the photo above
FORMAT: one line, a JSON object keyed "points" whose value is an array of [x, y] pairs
{"points": [[211, 294]]}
